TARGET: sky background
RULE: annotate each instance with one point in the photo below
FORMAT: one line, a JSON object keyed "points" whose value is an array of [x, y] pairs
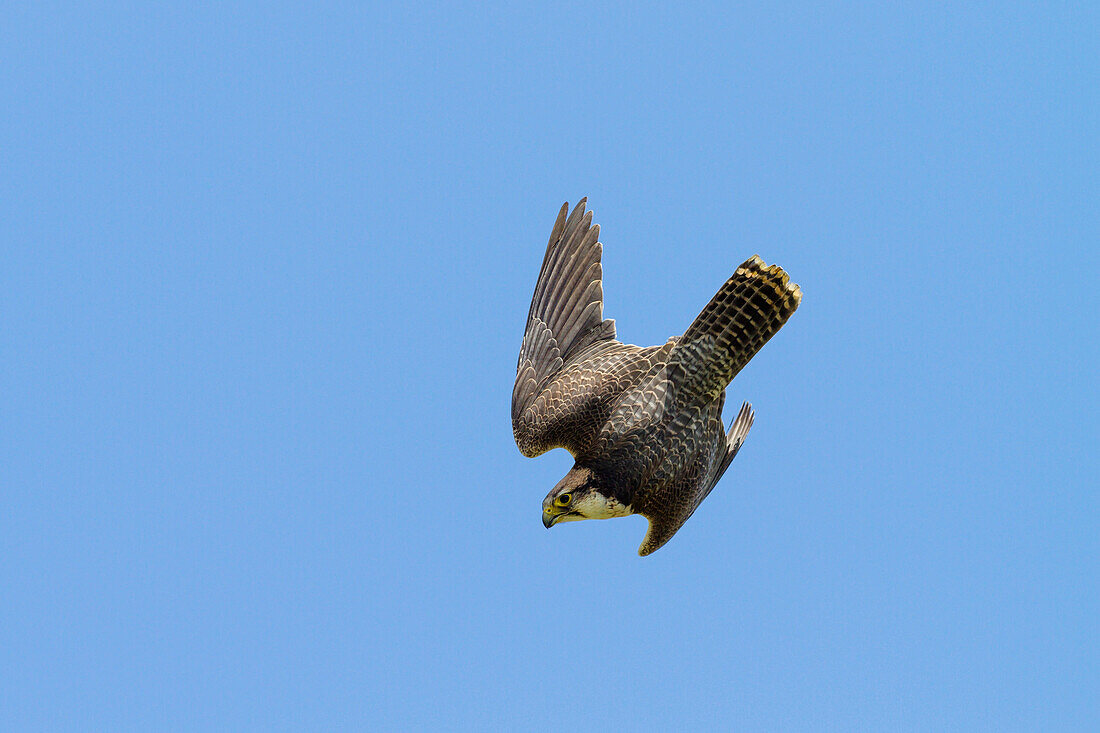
{"points": [[264, 272]]}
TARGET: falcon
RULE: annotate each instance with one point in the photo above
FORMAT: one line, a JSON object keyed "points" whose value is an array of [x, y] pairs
{"points": [[644, 424]]}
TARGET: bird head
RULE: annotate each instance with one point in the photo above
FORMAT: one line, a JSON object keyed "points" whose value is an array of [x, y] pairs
{"points": [[580, 496]]}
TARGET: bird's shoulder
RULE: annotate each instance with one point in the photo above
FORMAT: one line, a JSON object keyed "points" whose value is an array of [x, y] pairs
{"points": [[569, 408]]}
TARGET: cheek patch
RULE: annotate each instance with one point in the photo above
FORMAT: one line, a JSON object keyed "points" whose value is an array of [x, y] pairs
{"points": [[595, 505]]}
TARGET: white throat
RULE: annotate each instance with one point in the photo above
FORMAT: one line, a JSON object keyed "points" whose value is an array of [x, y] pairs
{"points": [[597, 506]]}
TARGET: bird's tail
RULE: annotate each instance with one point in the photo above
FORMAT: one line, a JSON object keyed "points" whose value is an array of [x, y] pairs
{"points": [[749, 309]]}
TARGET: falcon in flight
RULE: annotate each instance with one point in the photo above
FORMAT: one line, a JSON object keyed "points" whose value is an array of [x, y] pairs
{"points": [[644, 425]]}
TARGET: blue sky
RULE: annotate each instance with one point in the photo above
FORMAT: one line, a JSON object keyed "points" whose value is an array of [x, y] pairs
{"points": [[264, 276]]}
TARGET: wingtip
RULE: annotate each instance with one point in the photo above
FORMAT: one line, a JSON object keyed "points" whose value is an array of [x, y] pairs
{"points": [[743, 420], [657, 535]]}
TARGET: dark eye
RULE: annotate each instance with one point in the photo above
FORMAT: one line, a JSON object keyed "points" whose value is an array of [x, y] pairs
{"points": [[564, 500]]}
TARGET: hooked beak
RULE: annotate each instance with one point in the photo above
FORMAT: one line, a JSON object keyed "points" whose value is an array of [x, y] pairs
{"points": [[553, 515]]}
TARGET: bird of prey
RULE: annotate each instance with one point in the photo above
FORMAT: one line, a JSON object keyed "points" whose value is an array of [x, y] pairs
{"points": [[644, 425]]}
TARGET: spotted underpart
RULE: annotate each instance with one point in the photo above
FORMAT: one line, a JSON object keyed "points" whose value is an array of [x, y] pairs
{"points": [[643, 424]]}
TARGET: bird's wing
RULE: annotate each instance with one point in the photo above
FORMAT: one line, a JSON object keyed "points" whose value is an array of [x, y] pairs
{"points": [[734, 439], [669, 505], [749, 309], [565, 327], [696, 452], [639, 414]]}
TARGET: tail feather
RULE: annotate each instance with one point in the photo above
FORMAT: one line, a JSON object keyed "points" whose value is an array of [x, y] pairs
{"points": [[748, 310]]}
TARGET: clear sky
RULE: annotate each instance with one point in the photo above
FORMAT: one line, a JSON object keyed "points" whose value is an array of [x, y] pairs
{"points": [[264, 277]]}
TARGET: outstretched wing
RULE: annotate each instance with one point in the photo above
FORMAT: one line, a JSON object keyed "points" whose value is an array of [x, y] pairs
{"points": [[749, 309], [565, 324]]}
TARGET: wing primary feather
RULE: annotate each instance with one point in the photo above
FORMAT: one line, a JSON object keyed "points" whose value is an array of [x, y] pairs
{"points": [[580, 296], [564, 320]]}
